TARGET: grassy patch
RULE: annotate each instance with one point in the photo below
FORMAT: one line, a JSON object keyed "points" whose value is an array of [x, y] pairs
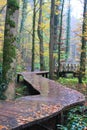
{"points": [[21, 91], [68, 81]]}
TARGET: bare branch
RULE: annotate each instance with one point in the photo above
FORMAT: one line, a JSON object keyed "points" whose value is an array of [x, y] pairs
{"points": [[2, 8]]}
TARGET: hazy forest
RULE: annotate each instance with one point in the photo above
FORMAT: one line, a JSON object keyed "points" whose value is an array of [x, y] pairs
{"points": [[44, 36]]}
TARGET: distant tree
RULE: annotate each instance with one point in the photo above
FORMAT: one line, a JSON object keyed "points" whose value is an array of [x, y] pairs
{"points": [[56, 24], [51, 44], [33, 36], [83, 47], [68, 30], [9, 48], [22, 31], [23, 14], [60, 36], [40, 35]]}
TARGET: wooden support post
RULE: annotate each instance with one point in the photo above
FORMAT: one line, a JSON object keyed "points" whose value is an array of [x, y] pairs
{"points": [[62, 118], [46, 75], [56, 122], [18, 77], [43, 74]]}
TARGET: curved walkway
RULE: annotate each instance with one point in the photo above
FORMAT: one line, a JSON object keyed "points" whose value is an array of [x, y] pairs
{"points": [[26, 111]]}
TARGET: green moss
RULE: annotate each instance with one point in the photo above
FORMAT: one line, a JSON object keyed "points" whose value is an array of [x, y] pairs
{"points": [[13, 4], [9, 46], [11, 23], [3, 87], [8, 56]]}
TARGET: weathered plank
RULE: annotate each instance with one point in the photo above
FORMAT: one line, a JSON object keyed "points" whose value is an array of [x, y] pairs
{"points": [[27, 111]]}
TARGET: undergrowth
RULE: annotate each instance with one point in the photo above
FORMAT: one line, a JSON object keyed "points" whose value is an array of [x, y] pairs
{"points": [[75, 119], [66, 81], [3, 87], [70, 81], [21, 91]]}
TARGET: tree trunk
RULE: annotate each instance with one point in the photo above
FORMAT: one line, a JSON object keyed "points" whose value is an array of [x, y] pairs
{"points": [[59, 39], [83, 47], [51, 61], [56, 24], [22, 32], [68, 32], [40, 35], [9, 48], [23, 15], [33, 36]]}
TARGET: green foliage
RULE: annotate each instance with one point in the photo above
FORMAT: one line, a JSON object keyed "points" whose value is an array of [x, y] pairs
{"points": [[61, 127], [19, 68], [20, 91], [75, 119], [0, 70], [3, 87], [68, 81], [13, 4], [11, 23]]}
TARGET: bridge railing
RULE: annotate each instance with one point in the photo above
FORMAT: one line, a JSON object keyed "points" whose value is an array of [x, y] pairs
{"points": [[69, 67]]}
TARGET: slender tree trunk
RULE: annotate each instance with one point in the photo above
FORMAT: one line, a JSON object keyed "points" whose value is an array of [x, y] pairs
{"points": [[60, 36], [23, 15], [55, 47], [9, 48], [40, 35], [33, 36], [68, 32], [51, 61], [22, 31], [83, 47]]}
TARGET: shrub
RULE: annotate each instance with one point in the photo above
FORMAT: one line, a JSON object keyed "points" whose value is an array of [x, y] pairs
{"points": [[76, 119]]}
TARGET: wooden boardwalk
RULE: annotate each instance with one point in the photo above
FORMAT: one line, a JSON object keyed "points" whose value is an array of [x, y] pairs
{"points": [[52, 99]]}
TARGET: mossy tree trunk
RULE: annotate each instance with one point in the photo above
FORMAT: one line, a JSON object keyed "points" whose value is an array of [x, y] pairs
{"points": [[9, 48], [83, 47]]}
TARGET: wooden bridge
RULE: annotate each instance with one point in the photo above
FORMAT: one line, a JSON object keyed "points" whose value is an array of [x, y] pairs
{"points": [[41, 111], [69, 69]]}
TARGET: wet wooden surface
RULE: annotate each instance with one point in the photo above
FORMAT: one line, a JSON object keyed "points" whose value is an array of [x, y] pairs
{"points": [[26, 111]]}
